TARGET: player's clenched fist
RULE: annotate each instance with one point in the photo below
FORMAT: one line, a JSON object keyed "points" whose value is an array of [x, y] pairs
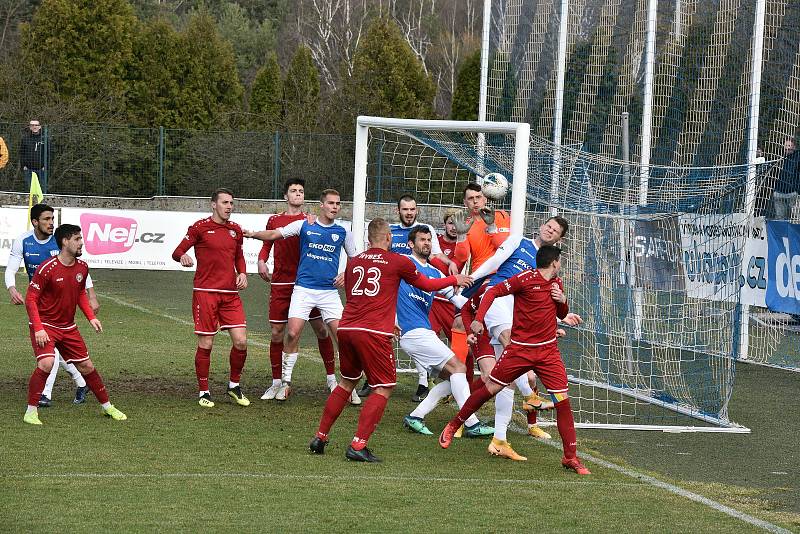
{"points": [[557, 294], [187, 260]]}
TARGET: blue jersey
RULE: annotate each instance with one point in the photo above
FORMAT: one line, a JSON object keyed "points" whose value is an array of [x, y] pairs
{"points": [[320, 250], [400, 238], [523, 257], [35, 252], [414, 305]]}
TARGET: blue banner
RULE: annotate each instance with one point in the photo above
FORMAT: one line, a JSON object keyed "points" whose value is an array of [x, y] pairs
{"points": [[783, 272]]}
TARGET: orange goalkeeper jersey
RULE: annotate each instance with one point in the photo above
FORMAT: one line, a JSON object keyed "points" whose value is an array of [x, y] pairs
{"points": [[481, 246]]}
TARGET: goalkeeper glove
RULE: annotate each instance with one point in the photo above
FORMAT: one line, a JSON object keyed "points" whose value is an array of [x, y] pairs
{"points": [[488, 217], [461, 226]]}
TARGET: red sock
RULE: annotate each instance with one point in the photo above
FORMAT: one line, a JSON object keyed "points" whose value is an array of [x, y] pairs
{"points": [[371, 415], [36, 386], [327, 353], [276, 358], [474, 402], [336, 402], [237, 358], [566, 429], [532, 417], [202, 363], [95, 383]]}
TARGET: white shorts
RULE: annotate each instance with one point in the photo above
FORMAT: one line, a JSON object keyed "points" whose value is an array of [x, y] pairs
{"points": [[326, 300], [426, 349], [500, 316]]}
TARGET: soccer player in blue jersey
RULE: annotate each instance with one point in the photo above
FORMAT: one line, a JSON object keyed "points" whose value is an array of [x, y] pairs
{"points": [[407, 213], [321, 245], [420, 342], [515, 255], [32, 248]]}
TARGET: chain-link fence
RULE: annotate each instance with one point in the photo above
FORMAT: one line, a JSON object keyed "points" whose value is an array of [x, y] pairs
{"points": [[121, 161]]}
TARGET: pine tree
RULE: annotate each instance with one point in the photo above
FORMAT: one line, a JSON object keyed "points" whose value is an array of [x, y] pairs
{"points": [[467, 93], [266, 96], [301, 92]]}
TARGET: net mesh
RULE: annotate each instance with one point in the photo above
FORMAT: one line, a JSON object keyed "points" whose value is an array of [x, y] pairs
{"points": [[700, 104], [657, 285]]}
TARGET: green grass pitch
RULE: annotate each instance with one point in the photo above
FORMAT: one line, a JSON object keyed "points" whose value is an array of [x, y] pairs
{"points": [[175, 466]]}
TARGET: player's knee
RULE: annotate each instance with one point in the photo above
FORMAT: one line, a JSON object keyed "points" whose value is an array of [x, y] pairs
{"points": [[205, 342], [45, 364], [240, 344], [383, 391], [277, 331], [85, 367]]}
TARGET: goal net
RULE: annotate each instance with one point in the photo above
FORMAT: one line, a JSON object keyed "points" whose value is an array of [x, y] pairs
{"points": [[699, 101], [657, 346]]}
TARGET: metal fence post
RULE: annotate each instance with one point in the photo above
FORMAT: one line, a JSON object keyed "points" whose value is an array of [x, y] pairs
{"points": [[379, 170], [276, 163], [160, 161]]}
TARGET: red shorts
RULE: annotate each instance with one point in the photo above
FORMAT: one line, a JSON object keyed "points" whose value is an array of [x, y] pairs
{"points": [[544, 360], [279, 298], [68, 342], [369, 352], [483, 349], [441, 316], [214, 311]]}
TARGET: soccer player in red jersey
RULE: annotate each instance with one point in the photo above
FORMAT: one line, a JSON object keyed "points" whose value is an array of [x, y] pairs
{"points": [[538, 299], [57, 288], [372, 280], [286, 256], [443, 312], [221, 273]]}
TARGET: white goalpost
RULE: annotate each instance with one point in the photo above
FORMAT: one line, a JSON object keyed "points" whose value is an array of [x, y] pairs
{"points": [[677, 375]]}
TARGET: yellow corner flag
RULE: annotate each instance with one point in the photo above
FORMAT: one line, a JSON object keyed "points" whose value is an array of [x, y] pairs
{"points": [[35, 196]]}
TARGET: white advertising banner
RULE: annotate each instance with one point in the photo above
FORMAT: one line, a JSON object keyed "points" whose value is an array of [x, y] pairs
{"points": [[712, 254], [13, 222], [138, 239], [755, 265]]}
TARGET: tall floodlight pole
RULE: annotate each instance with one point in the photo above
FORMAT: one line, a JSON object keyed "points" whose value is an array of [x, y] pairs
{"points": [[487, 21], [644, 158], [558, 111], [752, 153]]}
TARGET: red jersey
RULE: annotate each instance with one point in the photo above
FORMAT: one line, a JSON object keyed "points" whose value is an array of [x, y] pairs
{"points": [[218, 248], [55, 291], [535, 311], [372, 280], [286, 254], [449, 250]]}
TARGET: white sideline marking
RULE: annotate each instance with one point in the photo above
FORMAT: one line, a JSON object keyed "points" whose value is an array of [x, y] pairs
{"points": [[136, 307], [351, 478], [769, 527]]}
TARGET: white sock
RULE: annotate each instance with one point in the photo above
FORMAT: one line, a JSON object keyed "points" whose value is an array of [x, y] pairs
{"points": [[460, 387], [200, 394], [106, 405], [73, 372], [523, 385], [32, 409], [330, 378], [276, 381], [503, 408], [51, 379], [232, 385], [423, 375], [288, 366], [435, 395]]}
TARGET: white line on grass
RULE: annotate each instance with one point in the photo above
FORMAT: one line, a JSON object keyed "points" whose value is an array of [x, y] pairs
{"points": [[142, 309], [769, 527], [349, 478]]}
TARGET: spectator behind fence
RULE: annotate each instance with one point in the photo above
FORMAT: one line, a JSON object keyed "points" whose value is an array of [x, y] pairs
{"points": [[3, 153], [32, 153], [784, 196]]}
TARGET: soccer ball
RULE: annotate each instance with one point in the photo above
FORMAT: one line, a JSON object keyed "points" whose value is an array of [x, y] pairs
{"points": [[494, 186]]}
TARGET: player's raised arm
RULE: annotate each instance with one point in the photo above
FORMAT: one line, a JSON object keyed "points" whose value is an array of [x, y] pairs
{"points": [[410, 274], [289, 230], [557, 294], [507, 287], [501, 254]]}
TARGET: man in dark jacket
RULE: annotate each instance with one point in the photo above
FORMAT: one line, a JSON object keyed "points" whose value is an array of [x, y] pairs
{"points": [[32, 157], [784, 196]]}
